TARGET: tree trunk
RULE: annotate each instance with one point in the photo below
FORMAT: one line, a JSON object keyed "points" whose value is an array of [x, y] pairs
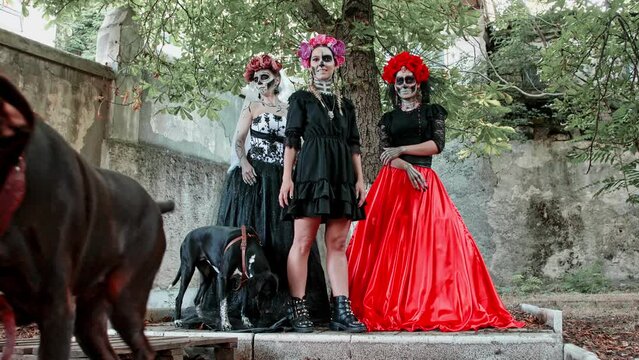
{"points": [[360, 73], [361, 80]]}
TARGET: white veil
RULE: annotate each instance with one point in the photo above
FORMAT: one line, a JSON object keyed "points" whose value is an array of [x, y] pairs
{"points": [[251, 94]]}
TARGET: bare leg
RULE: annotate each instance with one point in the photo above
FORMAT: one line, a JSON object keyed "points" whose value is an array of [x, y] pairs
{"points": [[336, 264], [297, 264]]}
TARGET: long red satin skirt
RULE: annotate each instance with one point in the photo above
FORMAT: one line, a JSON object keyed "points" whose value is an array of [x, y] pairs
{"points": [[413, 264]]}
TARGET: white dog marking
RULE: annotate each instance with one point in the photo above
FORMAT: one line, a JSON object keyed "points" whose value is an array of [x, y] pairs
{"points": [[251, 262], [226, 324]]}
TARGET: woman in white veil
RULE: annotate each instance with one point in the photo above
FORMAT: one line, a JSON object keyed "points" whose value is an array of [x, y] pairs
{"points": [[251, 94], [250, 194]]}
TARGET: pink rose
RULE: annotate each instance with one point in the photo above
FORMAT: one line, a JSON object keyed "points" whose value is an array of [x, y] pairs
{"points": [[266, 62], [320, 39], [339, 48]]}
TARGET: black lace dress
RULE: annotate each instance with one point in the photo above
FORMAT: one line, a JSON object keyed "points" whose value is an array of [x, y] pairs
{"points": [[324, 177], [257, 206]]}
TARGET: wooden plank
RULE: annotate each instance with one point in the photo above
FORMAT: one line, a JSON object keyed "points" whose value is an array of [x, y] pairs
{"points": [[29, 347]]}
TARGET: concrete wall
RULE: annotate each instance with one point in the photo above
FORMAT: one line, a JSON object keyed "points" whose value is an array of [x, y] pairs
{"points": [[71, 93], [532, 210], [194, 184]]}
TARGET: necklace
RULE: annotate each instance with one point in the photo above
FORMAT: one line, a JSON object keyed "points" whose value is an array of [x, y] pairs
{"points": [[278, 106], [331, 113]]}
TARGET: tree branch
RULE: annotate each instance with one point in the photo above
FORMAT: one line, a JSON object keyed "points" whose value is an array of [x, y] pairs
{"points": [[506, 82], [315, 15]]}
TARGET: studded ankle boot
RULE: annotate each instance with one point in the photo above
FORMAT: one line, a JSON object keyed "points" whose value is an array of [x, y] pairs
{"points": [[298, 315], [342, 317]]}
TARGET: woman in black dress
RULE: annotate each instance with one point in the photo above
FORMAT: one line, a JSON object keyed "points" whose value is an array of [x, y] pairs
{"points": [[327, 184], [251, 190]]}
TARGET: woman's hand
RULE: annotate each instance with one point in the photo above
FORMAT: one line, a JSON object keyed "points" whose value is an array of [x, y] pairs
{"points": [[248, 173], [416, 178], [391, 153], [286, 192], [360, 192]]}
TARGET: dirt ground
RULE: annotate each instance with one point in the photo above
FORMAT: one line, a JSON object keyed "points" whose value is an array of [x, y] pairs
{"points": [[606, 324]]}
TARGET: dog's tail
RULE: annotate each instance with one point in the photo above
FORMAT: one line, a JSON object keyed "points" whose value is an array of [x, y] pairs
{"points": [[166, 206], [177, 278]]}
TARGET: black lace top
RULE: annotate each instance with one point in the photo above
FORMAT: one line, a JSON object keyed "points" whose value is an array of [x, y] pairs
{"points": [[399, 128]]}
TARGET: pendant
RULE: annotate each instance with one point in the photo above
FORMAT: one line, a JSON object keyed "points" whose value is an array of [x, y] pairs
{"points": [[331, 115]]}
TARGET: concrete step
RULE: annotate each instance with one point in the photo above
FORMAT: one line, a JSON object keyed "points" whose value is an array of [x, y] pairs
{"points": [[329, 345]]}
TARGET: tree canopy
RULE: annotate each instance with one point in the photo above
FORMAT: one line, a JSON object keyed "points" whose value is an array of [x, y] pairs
{"points": [[572, 64]]}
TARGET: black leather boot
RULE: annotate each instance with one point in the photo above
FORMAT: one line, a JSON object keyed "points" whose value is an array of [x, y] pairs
{"points": [[298, 315], [342, 317]]}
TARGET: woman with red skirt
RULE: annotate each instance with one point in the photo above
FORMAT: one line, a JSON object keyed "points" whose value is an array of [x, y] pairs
{"points": [[413, 264]]}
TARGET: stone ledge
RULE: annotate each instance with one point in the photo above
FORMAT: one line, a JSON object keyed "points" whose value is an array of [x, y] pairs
{"points": [[387, 345], [574, 352], [54, 55], [550, 317]]}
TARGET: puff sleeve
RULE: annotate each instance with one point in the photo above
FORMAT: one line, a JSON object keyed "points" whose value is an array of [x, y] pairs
{"points": [[295, 121]]}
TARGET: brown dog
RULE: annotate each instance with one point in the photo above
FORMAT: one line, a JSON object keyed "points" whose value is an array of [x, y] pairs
{"points": [[75, 241]]}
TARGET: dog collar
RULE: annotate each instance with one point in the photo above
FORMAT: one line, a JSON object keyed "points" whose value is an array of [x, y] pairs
{"points": [[12, 193]]}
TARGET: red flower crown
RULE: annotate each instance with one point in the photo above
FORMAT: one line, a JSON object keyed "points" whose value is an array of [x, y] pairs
{"points": [[404, 59], [261, 62]]}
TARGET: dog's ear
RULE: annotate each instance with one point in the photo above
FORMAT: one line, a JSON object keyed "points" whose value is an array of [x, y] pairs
{"points": [[15, 111]]}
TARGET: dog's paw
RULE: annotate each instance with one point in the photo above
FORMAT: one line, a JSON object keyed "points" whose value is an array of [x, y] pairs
{"points": [[247, 323], [226, 327], [178, 323]]}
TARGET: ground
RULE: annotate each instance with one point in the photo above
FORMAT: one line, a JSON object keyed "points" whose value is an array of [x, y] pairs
{"points": [[606, 324]]}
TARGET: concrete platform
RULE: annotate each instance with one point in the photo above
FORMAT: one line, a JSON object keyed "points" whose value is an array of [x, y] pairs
{"points": [[329, 345]]}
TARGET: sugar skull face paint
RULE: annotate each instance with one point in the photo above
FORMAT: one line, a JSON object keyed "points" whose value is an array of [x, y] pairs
{"points": [[322, 63], [405, 84], [265, 81]]}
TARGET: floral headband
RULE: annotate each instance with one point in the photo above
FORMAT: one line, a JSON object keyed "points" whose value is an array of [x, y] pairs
{"points": [[337, 47], [261, 62], [404, 59]]}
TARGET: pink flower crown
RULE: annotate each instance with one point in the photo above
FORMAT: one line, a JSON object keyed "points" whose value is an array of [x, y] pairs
{"points": [[337, 47]]}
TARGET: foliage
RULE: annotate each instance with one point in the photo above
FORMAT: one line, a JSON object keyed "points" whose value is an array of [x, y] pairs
{"points": [[586, 55], [573, 66], [526, 284], [77, 32], [586, 279], [217, 37]]}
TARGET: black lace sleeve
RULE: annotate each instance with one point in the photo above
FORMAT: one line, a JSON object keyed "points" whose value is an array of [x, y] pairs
{"points": [[383, 131], [353, 132], [439, 126], [295, 120]]}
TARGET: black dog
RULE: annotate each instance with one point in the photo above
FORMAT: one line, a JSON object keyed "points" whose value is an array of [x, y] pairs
{"points": [[75, 243], [219, 253]]}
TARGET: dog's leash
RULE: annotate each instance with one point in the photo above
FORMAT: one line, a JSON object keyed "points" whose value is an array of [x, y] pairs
{"points": [[279, 325], [243, 238]]}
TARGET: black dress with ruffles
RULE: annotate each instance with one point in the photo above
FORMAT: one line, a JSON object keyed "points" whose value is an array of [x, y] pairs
{"points": [[324, 178]]}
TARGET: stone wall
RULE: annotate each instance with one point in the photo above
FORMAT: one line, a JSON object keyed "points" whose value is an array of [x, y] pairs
{"points": [[532, 210], [72, 94], [194, 184]]}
